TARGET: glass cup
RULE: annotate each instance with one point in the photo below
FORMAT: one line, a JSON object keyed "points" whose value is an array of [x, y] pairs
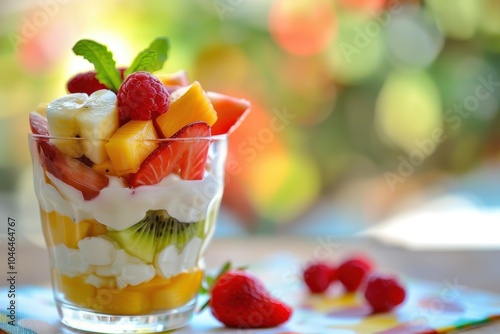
{"points": [[125, 259]]}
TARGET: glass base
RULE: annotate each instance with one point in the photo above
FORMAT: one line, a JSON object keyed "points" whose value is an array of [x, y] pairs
{"points": [[106, 323]]}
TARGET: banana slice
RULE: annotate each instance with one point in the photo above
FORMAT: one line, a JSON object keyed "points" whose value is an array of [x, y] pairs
{"points": [[98, 118], [61, 116], [93, 117]]}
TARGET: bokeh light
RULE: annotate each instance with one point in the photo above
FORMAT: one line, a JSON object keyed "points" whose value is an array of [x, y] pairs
{"points": [[370, 6], [408, 110], [358, 52], [457, 18], [413, 38], [303, 27]]}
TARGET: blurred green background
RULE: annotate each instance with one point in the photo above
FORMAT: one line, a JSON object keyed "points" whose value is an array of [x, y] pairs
{"points": [[357, 104]]}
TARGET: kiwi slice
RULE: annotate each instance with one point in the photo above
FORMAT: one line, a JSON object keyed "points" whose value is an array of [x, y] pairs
{"points": [[154, 232]]}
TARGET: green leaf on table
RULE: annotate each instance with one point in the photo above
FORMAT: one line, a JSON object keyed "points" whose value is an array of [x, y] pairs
{"points": [[103, 62], [151, 59]]}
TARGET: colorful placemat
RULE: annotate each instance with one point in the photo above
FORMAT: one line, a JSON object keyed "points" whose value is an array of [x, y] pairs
{"points": [[437, 308]]}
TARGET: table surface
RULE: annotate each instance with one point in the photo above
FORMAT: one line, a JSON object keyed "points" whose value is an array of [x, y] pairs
{"points": [[476, 269]]}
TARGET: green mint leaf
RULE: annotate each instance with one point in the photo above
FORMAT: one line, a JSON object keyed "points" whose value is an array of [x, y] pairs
{"points": [[103, 61], [204, 306], [161, 46], [143, 62]]}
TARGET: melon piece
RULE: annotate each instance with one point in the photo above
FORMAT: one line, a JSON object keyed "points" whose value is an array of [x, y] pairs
{"points": [[176, 79], [231, 112]]}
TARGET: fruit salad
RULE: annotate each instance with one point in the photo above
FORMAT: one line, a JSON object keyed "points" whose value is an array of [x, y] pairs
{"points": [[128, 171]]}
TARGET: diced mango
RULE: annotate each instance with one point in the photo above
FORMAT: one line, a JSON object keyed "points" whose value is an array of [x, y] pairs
{"points": [[59, 229], [105, 167], [187, 105], [122, 301], [130, 145], [150, 286], [180, 290], [96, 228], [156, 295], [75, 290]]}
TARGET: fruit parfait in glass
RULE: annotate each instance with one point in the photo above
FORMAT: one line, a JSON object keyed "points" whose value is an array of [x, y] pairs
{"points": [[129, 175]]}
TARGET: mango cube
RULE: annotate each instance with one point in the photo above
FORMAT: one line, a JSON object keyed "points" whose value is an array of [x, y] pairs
{"points": [[130, 145], [75, 289], [187, 105], [105, 167], [180, 290], [59, 229]]}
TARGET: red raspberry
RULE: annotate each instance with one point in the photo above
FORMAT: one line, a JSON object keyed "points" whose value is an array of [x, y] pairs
{"points": [[318, 277], [87, 82], [84, 83], [142, 97], [352, 272], [384, 293]]}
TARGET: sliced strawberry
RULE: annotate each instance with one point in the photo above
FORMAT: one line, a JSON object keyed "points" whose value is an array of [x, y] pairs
{"points": [[193, 161], [71, 171], [75, 173], [38, 124], [230, 112], [156, 166], [188, 157]]}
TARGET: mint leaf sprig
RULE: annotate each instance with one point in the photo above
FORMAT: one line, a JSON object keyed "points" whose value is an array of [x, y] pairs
{"points": [[152, 58], [103, 61], [149, 60]]}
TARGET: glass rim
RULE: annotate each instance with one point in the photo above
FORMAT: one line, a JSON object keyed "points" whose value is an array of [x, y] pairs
{"points": [[220, 137]]}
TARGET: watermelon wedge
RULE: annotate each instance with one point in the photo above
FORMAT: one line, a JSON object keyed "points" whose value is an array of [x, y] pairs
{"points": [[231, 112]]}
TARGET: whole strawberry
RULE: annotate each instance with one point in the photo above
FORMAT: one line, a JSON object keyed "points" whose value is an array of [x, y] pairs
{"points": [[319, 276], [85, 83], [240, 300], [142, 96], [353, 272], [383, 293]]}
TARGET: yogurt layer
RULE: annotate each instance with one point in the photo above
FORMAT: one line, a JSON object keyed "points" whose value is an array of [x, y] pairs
{"points": [[119, 207]]}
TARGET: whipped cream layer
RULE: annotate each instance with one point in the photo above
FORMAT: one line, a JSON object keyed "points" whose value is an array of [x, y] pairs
{"points": [[119, 207]]}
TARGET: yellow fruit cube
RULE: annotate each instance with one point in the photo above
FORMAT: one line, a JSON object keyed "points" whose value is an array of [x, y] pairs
{"points": [[181, 289], [105, 167], [187, 105], [75, 289], [130, 145], [121, 301], [59, 229]]}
